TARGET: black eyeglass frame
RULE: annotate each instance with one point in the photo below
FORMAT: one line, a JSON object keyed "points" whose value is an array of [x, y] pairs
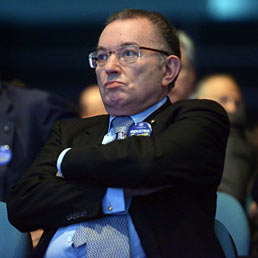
{"points": [[92, 57]]}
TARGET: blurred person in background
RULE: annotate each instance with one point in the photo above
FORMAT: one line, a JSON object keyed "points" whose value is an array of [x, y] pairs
{"points": [[90, 102], [26, 119], [240, 163], [185, 83]]}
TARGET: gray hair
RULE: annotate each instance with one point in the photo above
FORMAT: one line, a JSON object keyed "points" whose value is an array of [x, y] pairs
{"points": [[166, 30], [188, 46]]}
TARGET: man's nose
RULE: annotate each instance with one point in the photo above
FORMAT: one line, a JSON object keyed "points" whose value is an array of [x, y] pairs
{"points": [[112, 64]]}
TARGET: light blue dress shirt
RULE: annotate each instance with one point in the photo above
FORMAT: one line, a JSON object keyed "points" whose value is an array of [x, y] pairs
{"points": [[61, 244]]}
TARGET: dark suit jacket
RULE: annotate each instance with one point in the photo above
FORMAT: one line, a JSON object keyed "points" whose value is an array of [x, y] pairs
{"points": [[240, 161], [186, 150], [26, 119]]}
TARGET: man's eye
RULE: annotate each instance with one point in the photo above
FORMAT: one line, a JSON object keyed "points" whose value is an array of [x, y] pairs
{"points": [[224, 100], [102, 57], [129, 53]]}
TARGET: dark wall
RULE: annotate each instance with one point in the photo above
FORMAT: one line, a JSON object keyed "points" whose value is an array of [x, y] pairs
{"points": [[53, 58]]}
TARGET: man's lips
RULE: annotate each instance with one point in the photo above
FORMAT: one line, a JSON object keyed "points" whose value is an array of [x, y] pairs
{"points": [[112, 84]]}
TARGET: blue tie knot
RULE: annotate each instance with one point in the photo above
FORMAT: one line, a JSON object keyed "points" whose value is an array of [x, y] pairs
{"points": [[121, 126]]}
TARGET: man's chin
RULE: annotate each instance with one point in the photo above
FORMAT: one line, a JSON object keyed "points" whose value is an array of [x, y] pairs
{"points": [[115, 106]]}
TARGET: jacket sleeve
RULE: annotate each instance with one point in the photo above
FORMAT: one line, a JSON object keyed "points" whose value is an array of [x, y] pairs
{"points": [[187, 146], [43, 200]]}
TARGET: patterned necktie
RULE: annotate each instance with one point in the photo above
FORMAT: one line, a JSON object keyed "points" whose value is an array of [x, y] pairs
{"points": [[121, 125], [107, 237], [104, 238]]}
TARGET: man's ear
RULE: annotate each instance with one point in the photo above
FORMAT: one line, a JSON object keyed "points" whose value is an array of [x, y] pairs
{"points": [[171, 70]]}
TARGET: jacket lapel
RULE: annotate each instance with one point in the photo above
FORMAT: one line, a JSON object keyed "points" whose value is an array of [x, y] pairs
{"points": [[93, 131], [157, 118]]}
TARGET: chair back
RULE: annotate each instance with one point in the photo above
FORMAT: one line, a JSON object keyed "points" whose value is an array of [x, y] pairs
{"points": [[225, 240], [232, 215], [13, 243]]}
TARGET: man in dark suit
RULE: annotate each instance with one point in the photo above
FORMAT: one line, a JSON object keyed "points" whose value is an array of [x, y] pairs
{"points": [[161, 179], [26, 119], [240, 162]]}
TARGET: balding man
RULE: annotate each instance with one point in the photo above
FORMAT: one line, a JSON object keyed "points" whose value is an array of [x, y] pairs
{"points": [[222, 88], [185, 83], [239, 162]]}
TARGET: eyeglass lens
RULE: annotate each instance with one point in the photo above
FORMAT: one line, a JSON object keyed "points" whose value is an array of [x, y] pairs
{"points": [[125, 54]]}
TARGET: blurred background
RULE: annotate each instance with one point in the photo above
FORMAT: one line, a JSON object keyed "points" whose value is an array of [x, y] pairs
{"points": [[45, 44]]}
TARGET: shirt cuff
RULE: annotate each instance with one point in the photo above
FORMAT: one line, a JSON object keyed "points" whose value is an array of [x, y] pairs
{"points": [[114, 202], [60, 159]]}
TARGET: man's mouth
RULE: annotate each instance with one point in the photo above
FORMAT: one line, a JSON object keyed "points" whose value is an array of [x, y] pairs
{"points": [[112, 84]]}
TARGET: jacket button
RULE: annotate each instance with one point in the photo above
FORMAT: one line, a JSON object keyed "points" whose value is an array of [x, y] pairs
{"points": [[7, 129], [69, 217]]}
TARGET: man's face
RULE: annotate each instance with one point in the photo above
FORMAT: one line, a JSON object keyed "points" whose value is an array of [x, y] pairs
{"points": [[224, 91], [128, 89]]}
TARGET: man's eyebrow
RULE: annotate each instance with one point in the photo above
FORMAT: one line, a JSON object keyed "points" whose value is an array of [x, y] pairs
{"points": [[121, 45], [128, 44], [100, 48]]}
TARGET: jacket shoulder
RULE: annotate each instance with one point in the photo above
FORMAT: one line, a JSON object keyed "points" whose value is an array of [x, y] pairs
{"points": [[200, 104], [78, 125]]}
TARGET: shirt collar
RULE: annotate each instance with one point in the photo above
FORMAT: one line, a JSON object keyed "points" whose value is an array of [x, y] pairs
{"points": [[144, 114]]}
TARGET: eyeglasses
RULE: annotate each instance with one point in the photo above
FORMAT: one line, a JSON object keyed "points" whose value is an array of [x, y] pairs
{"points": [[126, 55]]}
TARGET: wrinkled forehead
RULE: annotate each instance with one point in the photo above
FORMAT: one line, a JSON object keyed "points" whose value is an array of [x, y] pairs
{"points": [[139, 31]]}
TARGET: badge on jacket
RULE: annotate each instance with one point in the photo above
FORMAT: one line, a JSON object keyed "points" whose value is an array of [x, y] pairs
{"points": [[140, 129], [5, 155]]}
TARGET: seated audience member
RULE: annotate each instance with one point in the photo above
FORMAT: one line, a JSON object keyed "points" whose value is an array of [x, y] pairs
{"points": [[26, 119], [240, 161], [185, 83], [90, 102], [140, 181]]}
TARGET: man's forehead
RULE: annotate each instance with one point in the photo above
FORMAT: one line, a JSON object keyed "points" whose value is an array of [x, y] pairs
{"points": [[222, 87], [120, 32], [123, 44]]}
